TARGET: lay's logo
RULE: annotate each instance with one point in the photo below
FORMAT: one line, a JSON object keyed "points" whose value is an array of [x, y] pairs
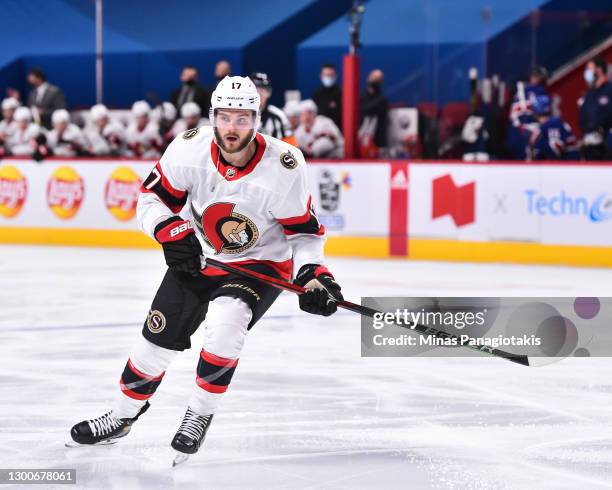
{"points": [[121, 193], [13, 191], [455, 201], [65, 192]]}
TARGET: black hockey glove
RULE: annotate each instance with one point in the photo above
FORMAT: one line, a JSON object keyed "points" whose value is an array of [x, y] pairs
{"points": [[182, 249], [322, 290]]}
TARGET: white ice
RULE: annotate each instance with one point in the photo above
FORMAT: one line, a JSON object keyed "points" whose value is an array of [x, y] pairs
{"points": [[304, 411]]}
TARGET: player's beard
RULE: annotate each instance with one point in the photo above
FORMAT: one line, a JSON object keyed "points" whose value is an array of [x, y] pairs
{"points": [[242, 144]]}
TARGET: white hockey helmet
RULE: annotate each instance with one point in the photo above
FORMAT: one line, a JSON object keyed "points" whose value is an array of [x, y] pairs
{"points": [[168, 111], [190, 109], [292, 108], [308, 105], [10, 103], [141, 108], [236, 93], [98, 112], [60, 116], [22, 114]]}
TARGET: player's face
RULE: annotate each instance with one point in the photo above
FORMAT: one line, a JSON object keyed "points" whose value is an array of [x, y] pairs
{"points": [[101, 122], [192, 121], [307, 118], [294, 121], [8, 114], [60, 127], [233, 129]]}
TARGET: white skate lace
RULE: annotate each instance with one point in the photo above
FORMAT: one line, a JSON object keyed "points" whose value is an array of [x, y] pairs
{"points": [[104, 425], [194, 425]]}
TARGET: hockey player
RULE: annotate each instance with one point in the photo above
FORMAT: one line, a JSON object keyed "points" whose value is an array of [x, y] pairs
{"points": [[165, 115], [65, 139], [7, 125], [190, 119], [523, 120], [317, 135], [142, 135], [104, 137], [292, 111], [274, 122], [553, 138], [23, 139], [232, 193]]}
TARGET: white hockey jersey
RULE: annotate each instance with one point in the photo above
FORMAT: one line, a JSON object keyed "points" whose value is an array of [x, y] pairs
{"points": [[324, 140], [68, 144], [7, 128], [22, 142], [145, 143], [109, 141], [259, 213]]}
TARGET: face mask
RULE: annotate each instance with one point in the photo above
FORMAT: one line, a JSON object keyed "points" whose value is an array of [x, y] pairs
{"points": [[328, 81], [589, 76]]}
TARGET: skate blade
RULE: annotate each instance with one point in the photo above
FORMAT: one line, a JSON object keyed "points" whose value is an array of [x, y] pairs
{"points": [[107, 442], [180, 458]]}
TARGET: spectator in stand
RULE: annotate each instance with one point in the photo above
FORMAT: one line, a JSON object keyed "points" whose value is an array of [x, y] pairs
{"points": [[65, 139], [292, 111], [553, 138], [7, 125], [23, 141], [44, 98], [104, 137], [317, 135], [273, 120], [191, 91], [523, 120], [374, 116], [142, 135], [190, 119], [328, 96], [222, 69], [596, 110]]}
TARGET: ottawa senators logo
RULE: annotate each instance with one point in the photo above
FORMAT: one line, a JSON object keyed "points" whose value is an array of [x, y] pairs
{"points": [[190, 133], [288, 160], [156, 321], [224, 230]]}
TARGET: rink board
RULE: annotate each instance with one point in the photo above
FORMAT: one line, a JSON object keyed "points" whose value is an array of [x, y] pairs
{"points": [[503, 211]]}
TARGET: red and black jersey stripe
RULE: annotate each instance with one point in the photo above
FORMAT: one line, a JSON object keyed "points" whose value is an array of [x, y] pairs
{"points": [[158, 184], [214, 372], [307, 223]]}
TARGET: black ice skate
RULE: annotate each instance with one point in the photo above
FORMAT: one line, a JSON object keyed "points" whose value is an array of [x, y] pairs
{"points": [[105, 429], [190, 435]]}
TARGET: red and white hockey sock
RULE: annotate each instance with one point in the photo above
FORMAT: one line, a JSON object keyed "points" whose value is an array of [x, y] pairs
{"points": [[141, 377], [225, 327]]}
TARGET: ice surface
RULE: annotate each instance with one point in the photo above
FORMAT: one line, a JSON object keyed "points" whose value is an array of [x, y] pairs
{"points": [[304, 411]]}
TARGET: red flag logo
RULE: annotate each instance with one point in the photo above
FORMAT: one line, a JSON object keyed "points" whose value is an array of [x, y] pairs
{"points": [[456, 201]]}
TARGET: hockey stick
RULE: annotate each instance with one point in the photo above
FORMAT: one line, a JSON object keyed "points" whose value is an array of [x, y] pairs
{"points": [[364, 310]]}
